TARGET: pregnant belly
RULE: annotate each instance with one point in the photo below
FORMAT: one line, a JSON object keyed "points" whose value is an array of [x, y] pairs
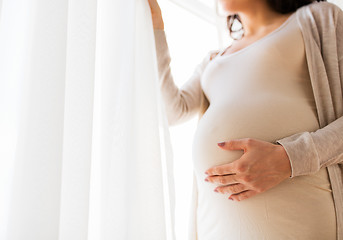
{"points": [[268, 121], [292, 210]]}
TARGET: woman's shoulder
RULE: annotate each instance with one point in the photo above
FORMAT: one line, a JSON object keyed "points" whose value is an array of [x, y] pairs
{"points": [[324, 5], [320, 17], [321, 9]]}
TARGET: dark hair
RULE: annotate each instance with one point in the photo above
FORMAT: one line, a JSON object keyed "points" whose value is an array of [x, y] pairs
{"points": [[280, 6]]}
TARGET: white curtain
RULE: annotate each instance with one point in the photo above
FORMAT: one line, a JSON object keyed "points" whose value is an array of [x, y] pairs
{"points": [[84, 143]]}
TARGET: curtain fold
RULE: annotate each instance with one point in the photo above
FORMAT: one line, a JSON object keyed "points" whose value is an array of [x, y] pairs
{"points": [[0, 9], [78, 119], [85, 151]]}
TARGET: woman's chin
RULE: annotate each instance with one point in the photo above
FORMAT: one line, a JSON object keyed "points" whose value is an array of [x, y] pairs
{"points": [[225, 10]]}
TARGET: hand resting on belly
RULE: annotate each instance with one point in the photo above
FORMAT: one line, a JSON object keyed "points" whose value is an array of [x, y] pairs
{"points": [[262, 166]]}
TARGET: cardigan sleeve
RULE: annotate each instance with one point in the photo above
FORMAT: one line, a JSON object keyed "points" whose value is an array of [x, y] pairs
{"points": [[310, 151], [182, 103]]}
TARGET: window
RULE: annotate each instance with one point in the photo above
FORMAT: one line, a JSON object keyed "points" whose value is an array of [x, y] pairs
{"points": [[190, 36]]}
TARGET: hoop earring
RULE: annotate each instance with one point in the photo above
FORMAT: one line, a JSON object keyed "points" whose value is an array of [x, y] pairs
{"points": [[238, 33]]}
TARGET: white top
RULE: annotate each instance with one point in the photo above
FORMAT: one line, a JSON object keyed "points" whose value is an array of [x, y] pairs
{"points": [[262, 91]]}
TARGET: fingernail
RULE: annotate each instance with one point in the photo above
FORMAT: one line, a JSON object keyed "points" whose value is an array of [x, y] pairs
{"points": [[215, 190], [230, 198], [206, 179], [206, 172], [221, 144]]}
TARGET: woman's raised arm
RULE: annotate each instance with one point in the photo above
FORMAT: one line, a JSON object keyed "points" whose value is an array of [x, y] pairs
{"points": [[180, 103]]}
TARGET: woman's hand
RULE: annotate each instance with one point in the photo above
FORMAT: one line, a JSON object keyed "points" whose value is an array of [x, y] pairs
{"points": [[156, 14], [262, 166]]}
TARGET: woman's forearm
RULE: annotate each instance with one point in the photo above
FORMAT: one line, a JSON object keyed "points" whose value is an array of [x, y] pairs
{"points": [[180, 103]]}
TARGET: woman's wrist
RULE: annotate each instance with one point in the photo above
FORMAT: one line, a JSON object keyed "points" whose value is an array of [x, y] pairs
{"points": [[283, 155]]}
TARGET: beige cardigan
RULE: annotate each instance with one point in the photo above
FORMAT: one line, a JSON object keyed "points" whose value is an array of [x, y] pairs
{"points": [[321, 24]]}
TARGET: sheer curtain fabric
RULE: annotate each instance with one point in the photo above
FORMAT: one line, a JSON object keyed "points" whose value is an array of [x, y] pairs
{"points": [[84, 145]]}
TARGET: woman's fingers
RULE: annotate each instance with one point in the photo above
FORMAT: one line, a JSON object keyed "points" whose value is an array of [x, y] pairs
{"points": [[223, 180], [238, 191], [231, 189], [155, 8], [243, 195], [224, 169], [156, 15]]}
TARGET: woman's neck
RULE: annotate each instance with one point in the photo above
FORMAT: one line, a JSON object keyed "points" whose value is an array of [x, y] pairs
{"points": [[259, 19]]}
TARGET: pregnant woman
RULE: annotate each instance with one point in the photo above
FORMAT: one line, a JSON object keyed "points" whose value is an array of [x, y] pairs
{"points": [[268, 149]]}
